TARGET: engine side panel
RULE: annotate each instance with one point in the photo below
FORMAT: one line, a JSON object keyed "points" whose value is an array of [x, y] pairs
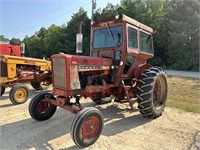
{"points": [[79, 71]]}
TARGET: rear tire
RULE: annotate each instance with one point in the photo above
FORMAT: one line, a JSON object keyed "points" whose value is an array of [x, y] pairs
{"points": [[152, 92], [40, 109], [87, 127], [2, 89], [19, 94]]}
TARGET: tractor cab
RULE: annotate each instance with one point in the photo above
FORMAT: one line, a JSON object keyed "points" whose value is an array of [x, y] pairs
{"points": [[126, 41]]}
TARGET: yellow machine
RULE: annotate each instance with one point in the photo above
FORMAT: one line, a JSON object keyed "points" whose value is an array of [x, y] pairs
{"points": [[15, 71]]}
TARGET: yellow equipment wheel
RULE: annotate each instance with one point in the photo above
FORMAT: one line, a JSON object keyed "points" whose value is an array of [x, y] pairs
{"points": [[19, 94]]}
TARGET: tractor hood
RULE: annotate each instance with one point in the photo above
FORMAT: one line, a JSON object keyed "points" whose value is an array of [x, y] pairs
{"points": [[66, 69], [83, 60]]}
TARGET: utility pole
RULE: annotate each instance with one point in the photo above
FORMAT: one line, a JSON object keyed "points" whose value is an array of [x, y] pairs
{"points": [[91, 32]]}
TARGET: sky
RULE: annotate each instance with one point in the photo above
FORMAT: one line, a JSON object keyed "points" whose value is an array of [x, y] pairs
{"points": [[19, 18]]}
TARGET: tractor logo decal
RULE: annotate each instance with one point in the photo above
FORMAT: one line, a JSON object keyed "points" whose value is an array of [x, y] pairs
{"points": [[75, 84], [29, 62]]}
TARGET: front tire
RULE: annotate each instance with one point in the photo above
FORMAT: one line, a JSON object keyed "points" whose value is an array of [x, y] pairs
{"points": [[152, 92], [19, 94], [40, 109], [87, 127]]}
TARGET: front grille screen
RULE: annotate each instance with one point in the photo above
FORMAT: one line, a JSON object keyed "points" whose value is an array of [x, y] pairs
{"points": [[59, 73], [4, 70]]}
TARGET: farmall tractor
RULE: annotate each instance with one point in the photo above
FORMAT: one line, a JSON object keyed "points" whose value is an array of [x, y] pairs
{"points": [[17, 70], [116, 69]]}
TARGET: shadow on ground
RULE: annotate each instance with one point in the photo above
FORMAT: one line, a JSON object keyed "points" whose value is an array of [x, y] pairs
{"points": [[32, 93], [29, 133]]}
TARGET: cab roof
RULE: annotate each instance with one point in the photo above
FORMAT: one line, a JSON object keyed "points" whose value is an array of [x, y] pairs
{"points": [[123, 18]]}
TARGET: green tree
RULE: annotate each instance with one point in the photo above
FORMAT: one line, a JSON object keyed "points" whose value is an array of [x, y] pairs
{"points": [[15, 41], [33, 46], [72, 29], [3, 39], [51, 40], [183, 23], [108, 11], [152, 13]]}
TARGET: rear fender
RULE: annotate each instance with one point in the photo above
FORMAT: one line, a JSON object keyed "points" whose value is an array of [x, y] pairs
{"points": [[140, 69]]}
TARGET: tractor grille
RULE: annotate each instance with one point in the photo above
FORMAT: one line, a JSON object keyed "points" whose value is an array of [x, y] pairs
{"points": [[59, 73], [4, 71]]}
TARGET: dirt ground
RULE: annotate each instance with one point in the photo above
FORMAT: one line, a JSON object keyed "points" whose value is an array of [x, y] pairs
{"points": [[123, 129]]}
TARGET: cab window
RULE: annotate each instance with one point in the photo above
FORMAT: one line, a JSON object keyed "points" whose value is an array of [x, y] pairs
{"points": [[132, 38], [146, 42], [108, 37]]}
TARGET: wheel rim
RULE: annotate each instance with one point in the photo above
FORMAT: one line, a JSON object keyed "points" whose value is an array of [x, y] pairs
{"points": [[21, 94], [90, 127], [42, 106], [159, 93]]}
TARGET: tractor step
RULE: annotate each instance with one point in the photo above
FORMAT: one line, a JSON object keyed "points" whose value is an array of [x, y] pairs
{"points": [[131, 102]]}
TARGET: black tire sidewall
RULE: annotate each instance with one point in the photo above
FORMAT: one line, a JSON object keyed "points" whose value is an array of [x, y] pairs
{"points": [[77, 128], [37, 115], [145, 92]]}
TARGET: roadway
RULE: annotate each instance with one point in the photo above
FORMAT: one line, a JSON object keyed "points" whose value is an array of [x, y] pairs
{"points": [[183, 73]]}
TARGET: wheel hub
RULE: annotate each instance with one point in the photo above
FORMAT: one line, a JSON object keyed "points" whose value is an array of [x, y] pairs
{"points": [[158, 93], [21, 94], [42, 106], [90, 127]]}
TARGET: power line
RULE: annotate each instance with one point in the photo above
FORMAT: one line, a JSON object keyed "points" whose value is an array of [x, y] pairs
{"points": [[53, 17], [42, 16]]}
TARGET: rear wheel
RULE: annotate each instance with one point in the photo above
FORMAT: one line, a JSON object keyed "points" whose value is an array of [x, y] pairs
{"points": [[2, 90], [39, 85], [152, 92], [87, 127], [40, 109], [19, 94]]}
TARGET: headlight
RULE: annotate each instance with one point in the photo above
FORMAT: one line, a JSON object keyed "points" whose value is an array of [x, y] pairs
{"points": [[3, 59], [117, 16]]}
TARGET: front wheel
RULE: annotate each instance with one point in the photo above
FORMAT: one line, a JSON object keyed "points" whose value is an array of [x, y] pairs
{"points": [[87, 127], [19, 94], [152, 92], [40, 109]]}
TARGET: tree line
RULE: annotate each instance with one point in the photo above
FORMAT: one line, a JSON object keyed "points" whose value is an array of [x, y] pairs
{"points": [[176, 43]]}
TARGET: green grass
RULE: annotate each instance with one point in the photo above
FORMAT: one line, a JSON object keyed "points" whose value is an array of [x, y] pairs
{"points": [[184, 93]]}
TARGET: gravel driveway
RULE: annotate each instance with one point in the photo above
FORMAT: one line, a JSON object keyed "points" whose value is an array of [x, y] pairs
{"points": [[123, 129]]}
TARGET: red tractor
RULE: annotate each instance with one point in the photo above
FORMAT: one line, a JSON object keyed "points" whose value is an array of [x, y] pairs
{"points": [[12, 50], [116, 69]]}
